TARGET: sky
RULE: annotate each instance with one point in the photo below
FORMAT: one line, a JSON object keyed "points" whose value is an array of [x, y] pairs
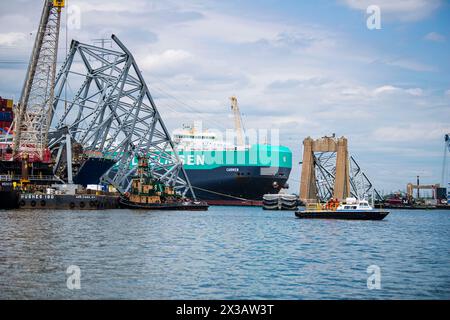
{"points": [[306, 68]]}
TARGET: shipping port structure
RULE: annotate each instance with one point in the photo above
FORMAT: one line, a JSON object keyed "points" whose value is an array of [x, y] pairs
{"points": [[424, 196]]}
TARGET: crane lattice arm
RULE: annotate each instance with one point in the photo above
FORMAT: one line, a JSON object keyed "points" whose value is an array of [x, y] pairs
{"points": [[237, 121], [32, 121]]}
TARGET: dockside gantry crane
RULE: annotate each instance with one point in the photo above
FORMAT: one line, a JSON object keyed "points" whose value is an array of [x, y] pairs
{"points": [[32, 121]]}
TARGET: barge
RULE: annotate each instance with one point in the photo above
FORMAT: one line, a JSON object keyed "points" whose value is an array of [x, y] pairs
{"points": [[68, 202], [9, 198]]}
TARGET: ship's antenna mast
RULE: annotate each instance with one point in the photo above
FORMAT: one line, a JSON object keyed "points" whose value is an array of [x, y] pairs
{"points": [[237, 121], [35, 106]]}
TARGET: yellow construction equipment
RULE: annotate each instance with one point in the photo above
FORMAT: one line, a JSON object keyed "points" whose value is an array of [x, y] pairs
{"points": [[411, 187], [59, 3]]}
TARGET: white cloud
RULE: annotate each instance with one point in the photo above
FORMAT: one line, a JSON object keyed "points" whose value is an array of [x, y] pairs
{"points": [[12, 38], [216, 26], [129, 6], [409, 64], [416, 92], [436, 37], [168, 59], [402, 10], [409, 133], [385, 89]]}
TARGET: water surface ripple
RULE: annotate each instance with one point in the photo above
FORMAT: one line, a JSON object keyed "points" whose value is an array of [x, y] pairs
{"points": [[225, 253]]}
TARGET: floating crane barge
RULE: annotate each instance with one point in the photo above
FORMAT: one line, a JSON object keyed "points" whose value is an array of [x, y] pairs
{"points": [[25, 159]]}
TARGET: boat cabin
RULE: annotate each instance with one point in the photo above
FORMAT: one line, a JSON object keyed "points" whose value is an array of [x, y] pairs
{"points": [[355, 204]]}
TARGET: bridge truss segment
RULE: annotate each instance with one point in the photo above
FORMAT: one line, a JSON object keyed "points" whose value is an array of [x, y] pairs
{"points": [[103, 104]]}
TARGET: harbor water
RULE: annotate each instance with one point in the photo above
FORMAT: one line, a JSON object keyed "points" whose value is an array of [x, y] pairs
{"points": [[225, 253]]}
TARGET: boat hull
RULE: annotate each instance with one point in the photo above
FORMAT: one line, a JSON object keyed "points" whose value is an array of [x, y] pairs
{"points": [[343, 215], [228, 186], [237, 185], [125, 204], [68, 202], [9, 200], [235, 203], [92, 170]]}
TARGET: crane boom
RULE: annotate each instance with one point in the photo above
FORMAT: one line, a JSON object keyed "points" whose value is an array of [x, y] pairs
{"points": [[35, 106], [237, 121]]}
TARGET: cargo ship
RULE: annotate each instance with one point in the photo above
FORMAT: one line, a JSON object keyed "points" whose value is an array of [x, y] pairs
{"points": [[231, 175], [224, 173]]}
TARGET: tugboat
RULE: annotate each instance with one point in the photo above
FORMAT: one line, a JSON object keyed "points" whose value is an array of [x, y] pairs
{"points": [[149, 193], [351, 209]]}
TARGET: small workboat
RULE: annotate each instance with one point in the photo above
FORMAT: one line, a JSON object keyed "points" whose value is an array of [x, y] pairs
{"points": [[351, 209]]}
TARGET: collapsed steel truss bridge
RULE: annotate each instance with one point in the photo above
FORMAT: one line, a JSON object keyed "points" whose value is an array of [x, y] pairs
{"points": [[325, 171], [328, 171], [103, 104]]}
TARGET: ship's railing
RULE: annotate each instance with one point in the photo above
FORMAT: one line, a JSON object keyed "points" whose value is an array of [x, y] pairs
{"points": [[314, 205], [42, 178], [4, 178]]}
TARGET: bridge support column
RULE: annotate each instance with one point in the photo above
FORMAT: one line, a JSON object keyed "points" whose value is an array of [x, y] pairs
{"points": [[308, 180], [342, 180]]}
